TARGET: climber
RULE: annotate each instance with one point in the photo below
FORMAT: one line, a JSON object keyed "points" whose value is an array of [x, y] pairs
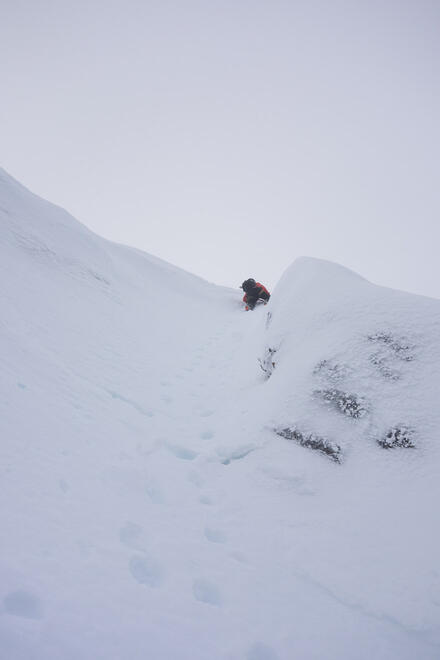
{"points": [[254, 291]]}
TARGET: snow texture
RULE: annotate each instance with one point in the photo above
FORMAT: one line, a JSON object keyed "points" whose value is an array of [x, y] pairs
{"points": [[165, 498]]}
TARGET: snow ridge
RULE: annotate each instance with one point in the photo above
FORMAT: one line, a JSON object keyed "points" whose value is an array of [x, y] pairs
{"points": [[151, 509]]}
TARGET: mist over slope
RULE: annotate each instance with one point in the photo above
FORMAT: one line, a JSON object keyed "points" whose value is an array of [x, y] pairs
{"points": [[151, 507]]}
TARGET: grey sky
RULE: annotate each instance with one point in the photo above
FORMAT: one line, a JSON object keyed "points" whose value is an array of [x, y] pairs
{"points": [[230, 137]]}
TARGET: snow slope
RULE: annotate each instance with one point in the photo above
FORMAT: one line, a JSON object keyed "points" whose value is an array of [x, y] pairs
{"points": [[150, 509]]}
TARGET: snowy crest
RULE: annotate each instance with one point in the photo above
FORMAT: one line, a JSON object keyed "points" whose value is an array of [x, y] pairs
{"points": [[360, 364], [163, 497]]}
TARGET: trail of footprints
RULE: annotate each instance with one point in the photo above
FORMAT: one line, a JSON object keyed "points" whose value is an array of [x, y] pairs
{"points": [[146, 569], [143, 567], [149, 571], [201, 411]]}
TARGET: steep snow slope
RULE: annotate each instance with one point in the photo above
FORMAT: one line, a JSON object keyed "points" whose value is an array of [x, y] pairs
{"points": [[370, 354], [354, 370], [149, 508]]}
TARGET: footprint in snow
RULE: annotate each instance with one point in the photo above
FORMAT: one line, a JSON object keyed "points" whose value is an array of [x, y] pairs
{"points": [[215, 535], [237, 455], [260, 651], [130, 535], [240, 557], [63, 485], [146, 570], [23, 604], [206, 413], [207, 435], [154, 492], [196, 478], [182, 452], [206, 592]]}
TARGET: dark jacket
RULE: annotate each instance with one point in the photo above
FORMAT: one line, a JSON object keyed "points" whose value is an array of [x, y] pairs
{"points": [[254, 291]]}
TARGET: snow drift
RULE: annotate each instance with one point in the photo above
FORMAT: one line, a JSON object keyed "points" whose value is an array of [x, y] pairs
{"points": [[360, 364], [161, 496]]}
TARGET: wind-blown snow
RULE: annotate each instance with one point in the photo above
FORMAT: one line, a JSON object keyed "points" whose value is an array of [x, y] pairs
{"points": [[149, 507]]}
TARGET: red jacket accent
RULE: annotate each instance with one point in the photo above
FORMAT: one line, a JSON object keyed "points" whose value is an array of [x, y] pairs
{"points": [[260, 286]]}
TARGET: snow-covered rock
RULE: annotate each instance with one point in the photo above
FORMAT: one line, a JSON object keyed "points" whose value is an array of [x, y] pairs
{"points": [[355, 364], [149, 508]]}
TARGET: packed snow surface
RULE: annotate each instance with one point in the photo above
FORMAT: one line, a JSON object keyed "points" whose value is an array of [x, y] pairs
{"points": [[164, 497]]}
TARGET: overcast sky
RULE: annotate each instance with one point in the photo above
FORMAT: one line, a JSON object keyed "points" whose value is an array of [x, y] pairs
{"points": [[230, 137]]}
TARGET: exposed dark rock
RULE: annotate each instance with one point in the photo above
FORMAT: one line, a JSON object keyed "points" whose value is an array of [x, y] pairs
{"points": [[267, 363], [312, 441], [348, 404], [382, 363], [401, 348], [398, 437], [332, 371]]}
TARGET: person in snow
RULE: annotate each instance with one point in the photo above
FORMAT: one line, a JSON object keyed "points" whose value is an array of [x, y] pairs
{"points": [[253, 292]]}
